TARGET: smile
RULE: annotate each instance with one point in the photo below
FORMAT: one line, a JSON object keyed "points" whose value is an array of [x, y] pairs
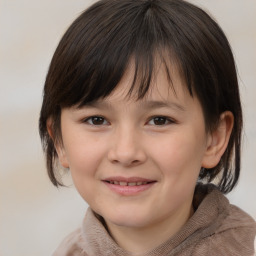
{"points": [[123, 183], [128, 186]]}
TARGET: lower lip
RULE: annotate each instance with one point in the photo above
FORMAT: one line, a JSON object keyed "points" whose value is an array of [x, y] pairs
{"points": [[129, 190]]}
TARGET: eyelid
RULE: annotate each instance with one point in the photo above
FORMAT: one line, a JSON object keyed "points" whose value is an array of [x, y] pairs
{"points": [[86, 120], [169, 119]]}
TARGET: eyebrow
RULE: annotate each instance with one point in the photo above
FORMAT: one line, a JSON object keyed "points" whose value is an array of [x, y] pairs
{"points": [[97, 104], [161, 104], [152, 104]]}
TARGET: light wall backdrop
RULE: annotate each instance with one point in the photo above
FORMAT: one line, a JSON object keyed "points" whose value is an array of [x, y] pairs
{"points": [[34, 215]]}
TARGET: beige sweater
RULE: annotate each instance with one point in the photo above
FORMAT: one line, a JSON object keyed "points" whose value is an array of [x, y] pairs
{"points": [[217, 228]]}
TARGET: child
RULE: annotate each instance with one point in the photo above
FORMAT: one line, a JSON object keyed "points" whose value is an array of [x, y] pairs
{"points": [[141, 104]]}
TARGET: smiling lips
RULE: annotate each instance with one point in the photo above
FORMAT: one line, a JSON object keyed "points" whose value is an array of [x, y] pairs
{"points": [[123, 183], [128, 186]]}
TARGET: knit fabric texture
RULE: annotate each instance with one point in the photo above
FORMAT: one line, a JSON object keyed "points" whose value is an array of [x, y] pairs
{"points": [[217, 228]]}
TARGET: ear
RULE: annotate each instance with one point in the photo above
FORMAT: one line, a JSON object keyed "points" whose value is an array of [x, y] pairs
{"points": [[57, 144], [217, 140]]}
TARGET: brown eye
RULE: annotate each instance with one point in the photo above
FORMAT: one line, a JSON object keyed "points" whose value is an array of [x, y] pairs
{"points": [[96, 120], [159, 120]]}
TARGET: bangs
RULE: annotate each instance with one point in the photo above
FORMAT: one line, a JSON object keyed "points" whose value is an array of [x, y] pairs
{"points": [[97, 59], [144, 72]]}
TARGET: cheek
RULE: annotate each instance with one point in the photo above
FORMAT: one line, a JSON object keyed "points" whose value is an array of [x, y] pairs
{"points": [[178, 153], [84, 156], [84, 161], [179, 160]]}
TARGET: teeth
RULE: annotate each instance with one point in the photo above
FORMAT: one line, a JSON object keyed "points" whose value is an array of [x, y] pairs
{"points": [[132, 184], [123, 183]]}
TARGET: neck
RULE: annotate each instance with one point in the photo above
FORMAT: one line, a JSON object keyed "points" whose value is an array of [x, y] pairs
{"points": [[139, 240]]}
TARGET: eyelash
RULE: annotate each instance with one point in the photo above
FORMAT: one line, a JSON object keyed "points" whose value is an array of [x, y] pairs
{"points": [[89, 120], [166, 120], [103, 121]]}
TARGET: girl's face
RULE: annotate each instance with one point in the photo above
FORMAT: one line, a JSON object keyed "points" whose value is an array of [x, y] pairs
{"points": [[136, 162]]}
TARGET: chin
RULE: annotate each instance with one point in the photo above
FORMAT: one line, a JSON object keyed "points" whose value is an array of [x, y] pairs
{"points": [[127, 219]]}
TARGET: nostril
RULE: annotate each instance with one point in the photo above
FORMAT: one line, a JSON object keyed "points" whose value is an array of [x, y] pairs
{"points": [[127, 156], [135, 161]]}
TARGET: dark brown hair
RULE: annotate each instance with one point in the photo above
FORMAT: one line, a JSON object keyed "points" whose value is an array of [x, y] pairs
{"points": [[94, 53]]}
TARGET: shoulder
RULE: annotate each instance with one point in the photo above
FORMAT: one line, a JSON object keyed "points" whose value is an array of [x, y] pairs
{"points": [[71, 245], [238, 232], [221, 228], [234, 236]]}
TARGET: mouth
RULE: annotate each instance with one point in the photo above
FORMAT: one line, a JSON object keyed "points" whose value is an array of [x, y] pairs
{"points": [[128, 186], [124, 183]]}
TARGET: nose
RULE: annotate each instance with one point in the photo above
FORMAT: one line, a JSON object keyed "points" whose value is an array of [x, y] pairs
{"points": [[126, 148]]}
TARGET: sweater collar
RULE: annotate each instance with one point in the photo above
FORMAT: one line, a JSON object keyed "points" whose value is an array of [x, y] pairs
{"points": [[210, 210]]}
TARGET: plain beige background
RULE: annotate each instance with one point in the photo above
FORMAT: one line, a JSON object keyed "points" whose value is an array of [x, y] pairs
{"points": [[35, 216]]}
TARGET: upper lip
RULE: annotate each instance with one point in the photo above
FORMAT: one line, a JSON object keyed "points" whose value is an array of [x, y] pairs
{"points": [[127, 179]]}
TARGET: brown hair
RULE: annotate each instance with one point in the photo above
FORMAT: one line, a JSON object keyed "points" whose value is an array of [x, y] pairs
{"points": [[93, 55]]}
